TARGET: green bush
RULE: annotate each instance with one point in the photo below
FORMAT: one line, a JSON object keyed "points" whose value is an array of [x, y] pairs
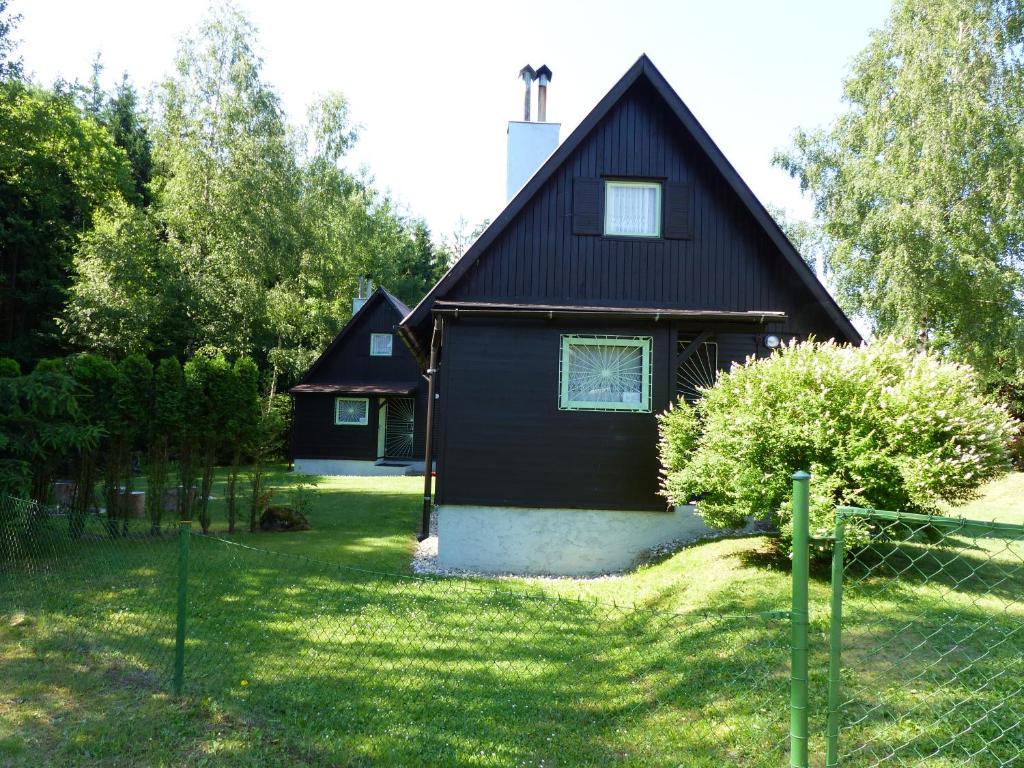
{"points": [[877, 426]]}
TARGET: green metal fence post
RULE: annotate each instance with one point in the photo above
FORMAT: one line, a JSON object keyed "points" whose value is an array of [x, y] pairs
{"points": [[835, 644], [184, 531], [798, 622]]}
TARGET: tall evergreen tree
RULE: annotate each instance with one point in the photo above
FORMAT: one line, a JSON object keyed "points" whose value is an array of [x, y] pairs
{"points": [[123, 115], [58, 168]]}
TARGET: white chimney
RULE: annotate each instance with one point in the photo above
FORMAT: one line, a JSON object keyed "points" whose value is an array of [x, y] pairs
{"points": [[530, 143], [365, 289]]}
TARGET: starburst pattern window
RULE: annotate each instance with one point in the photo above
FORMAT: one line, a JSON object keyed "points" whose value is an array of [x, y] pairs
{"points": [[351, 411], [699, 371], [605, 373]]}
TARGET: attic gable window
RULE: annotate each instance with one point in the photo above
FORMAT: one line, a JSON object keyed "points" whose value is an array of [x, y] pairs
{"points": [[605, 373], [632, 208], [380, 344]]}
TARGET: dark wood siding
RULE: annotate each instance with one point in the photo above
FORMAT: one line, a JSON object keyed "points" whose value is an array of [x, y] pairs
{"points": [[316, 436], [724, 261], [505, 441]]}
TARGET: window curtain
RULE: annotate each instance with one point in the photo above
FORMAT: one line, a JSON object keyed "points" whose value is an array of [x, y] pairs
{"points": [[632, 210]]}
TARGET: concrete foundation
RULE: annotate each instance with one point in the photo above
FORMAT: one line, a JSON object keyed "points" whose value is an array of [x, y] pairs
{"points": [[356, 467], [556, 542]]}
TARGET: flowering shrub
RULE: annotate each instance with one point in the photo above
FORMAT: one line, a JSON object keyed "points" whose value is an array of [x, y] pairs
{"points": [[877, 426]]}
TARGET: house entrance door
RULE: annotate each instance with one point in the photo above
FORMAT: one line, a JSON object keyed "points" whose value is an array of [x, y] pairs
{"points": [[399, 427]]}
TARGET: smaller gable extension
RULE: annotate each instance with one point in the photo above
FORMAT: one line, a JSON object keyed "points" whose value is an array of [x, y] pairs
{"points": [[346, 361]]}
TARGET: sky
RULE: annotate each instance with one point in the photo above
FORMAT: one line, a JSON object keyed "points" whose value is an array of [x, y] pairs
{"points": [[433, 84]]}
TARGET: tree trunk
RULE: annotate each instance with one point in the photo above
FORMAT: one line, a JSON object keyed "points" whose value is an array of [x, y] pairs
{"points": [[206, 488], [231, 498]]}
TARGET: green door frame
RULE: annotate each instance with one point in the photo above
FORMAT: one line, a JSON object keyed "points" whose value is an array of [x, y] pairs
{"points": [[382, 425]]}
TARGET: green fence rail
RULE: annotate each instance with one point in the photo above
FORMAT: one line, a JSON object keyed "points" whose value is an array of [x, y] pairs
{"points": [[927, 632]]}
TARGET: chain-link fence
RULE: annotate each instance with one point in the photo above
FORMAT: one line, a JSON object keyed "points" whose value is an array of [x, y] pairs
{"points": [[341, 665], [932, 632], [352, 666]]}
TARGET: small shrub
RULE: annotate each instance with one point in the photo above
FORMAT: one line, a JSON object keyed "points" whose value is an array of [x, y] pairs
{"points": [[302, 495], [877, 426], [283, 519]]}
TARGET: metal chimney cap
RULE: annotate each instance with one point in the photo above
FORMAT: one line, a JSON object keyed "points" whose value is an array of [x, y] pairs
{"points": [[543, 74], [528, 73]]}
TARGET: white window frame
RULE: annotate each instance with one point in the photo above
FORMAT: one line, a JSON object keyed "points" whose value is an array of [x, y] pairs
{"points": [[391, 344], [609, 184], [644, 343], [366, 413]]}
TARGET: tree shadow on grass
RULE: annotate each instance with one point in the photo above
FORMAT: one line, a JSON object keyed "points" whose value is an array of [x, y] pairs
{"points": [[432, 672], [67, 703], [342, 665]]}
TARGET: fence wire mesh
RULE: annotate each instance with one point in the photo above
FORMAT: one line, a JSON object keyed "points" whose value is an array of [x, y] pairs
{"points": [[933, 642], [97, 594], [351, 666]]}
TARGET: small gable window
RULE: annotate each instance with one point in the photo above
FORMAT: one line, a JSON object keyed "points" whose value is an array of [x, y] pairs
{"points": [[605, 373], [632, 208], [380, 344], [351, 411]]}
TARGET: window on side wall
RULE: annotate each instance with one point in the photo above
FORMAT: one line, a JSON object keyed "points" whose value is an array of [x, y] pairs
{"points": [[351, 411], [605, 373], [380, 344], [632, 208]]}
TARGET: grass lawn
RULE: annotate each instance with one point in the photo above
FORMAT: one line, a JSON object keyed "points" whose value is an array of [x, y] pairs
{"points": [[294, 662]]}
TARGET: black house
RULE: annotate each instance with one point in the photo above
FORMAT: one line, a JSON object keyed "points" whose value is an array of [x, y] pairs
{"points": [[629, 270], [360, 409]]}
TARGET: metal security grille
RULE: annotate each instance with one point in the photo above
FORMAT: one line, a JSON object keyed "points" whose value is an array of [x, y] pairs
{"points": [[698, 370], [605, 373], [351, 411], [400, 427]]}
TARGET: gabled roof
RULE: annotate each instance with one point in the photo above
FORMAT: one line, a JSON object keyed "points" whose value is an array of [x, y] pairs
{"points": [[643, 69], [379, 295]]}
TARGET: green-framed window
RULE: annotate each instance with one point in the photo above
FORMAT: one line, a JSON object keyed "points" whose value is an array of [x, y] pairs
{"points": [[351, 411], [380, 344], [632, 208], [605, 373]]}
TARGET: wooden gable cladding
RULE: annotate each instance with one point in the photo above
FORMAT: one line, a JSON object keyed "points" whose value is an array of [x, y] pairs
{"points": [[347, 358], [712, 255]]}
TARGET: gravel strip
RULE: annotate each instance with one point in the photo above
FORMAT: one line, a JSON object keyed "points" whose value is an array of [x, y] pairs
{"points": [[424, 559]]}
